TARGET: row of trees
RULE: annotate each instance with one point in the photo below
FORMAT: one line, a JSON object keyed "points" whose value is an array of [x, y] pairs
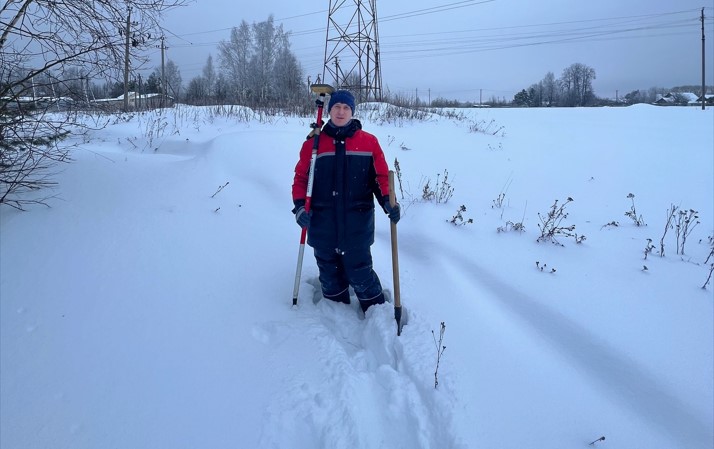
{"points": [[573, 88], [256, 68]]}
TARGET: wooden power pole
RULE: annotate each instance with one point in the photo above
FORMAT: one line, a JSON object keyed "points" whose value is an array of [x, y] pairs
{"points": [[126, 62], [704, 84], [163, 73]]}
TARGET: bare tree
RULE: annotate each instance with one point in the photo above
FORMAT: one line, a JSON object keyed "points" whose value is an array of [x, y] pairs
{"points": [[49, 50], [536, 95], [258, 65], [210, 77], [234, 56], [196, 91], [550, 89], [288, 74], [201, 89], [174, 82], [568, 88], [222, 89], [266, 48], [576, 82]]}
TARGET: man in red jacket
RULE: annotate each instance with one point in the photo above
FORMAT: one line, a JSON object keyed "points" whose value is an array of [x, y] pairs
{"points": [[350, 172]]}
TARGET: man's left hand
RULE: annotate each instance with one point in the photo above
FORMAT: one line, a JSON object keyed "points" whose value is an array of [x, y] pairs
{"points": [[394, 212]]}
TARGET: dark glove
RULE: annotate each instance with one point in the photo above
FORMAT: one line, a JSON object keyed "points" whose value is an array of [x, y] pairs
{"points": [[302, 217], [394, 212]]}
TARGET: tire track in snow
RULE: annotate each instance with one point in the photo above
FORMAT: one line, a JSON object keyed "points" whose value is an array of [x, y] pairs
{"points": [[623, 378], [372, 392]]}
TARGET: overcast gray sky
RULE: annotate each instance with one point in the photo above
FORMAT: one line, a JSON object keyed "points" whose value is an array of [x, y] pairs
{"points": [[494, 48]]}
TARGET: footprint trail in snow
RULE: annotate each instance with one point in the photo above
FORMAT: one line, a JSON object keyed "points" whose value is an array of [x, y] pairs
{"points": [[374, 388]]}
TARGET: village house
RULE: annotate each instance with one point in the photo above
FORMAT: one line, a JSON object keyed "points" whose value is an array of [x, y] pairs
{"points": [[681, 99]]}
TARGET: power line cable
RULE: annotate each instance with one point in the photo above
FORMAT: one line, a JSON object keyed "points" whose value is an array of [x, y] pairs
{"points": [[393, 49]]}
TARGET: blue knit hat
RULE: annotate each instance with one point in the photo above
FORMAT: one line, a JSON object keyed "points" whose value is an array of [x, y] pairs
{"points": [[344, 97]]}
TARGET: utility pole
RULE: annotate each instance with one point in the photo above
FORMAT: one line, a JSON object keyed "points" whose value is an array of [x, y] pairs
{"points": [[126, 61], [163, 74], [337, 74], [84, 87], [139, 91], [704, 85]]}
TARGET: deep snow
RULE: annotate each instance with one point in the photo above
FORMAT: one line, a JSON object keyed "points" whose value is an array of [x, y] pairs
{"points": [[141, 312]]}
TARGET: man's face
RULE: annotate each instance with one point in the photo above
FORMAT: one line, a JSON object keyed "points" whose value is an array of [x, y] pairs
{"points": [[340, 114]]}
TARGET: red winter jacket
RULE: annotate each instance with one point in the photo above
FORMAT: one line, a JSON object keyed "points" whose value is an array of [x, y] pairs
{"points": [[350, 171]]}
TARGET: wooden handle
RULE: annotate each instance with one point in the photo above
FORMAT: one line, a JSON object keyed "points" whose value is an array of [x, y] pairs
{"points": [[395, 253]]}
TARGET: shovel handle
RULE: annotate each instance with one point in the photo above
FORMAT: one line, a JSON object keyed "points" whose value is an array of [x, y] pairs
{"points": [[395, 253]]}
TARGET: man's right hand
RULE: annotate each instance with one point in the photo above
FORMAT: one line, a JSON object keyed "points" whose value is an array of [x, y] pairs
{"points": [[302, 217]]}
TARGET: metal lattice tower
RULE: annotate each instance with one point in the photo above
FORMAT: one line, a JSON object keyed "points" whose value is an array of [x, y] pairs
{"points": [[352, 48]]}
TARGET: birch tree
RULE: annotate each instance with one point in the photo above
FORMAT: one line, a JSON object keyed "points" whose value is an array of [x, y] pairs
{"points": [[234, 56], [261, 64], [258, 65]]}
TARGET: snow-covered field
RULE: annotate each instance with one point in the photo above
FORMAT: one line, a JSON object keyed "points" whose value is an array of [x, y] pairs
{"points": [[143, 311]]}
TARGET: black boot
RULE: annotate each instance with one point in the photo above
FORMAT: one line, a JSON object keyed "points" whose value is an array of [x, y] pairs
{"points": [[367, 303]]}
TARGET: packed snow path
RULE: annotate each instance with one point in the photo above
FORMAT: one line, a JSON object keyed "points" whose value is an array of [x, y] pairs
{"points": [[371, 390]]}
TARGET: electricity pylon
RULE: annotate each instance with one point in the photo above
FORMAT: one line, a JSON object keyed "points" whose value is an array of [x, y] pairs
{"points": [[352, 48]]}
